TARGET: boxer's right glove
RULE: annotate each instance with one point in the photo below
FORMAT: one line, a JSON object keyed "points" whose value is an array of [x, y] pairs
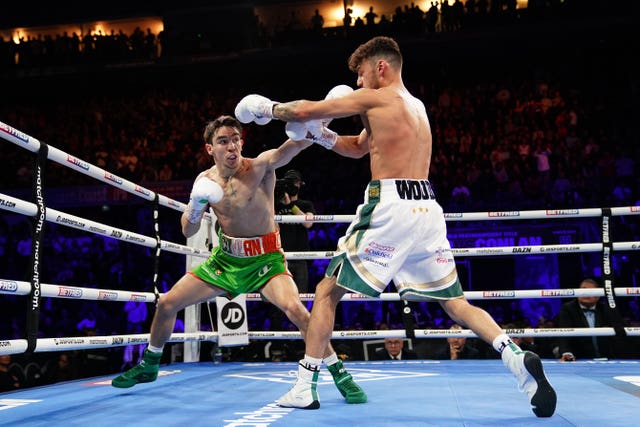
{"points": [[204, 191], [316, 130], [255, 108], [313, 131]]}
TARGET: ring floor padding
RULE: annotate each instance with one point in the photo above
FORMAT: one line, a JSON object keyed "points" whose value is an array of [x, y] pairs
{"points": [[401, 394]]}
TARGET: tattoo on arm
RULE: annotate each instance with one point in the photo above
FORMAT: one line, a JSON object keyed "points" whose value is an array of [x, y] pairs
{"points": [[285, 111]]}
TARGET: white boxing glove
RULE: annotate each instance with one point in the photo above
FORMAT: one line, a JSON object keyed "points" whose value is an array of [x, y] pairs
{"points": [[255, 108], [298, 131], [337, 92], [204, 191], [322, 135]]}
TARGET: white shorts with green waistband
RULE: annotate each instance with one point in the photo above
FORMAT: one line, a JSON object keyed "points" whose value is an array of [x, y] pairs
{"points": [[400, 235]]}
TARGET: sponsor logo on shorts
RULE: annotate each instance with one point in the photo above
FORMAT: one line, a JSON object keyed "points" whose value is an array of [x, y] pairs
{"points": [[377, 253], [264, 270], [443, 256], [381, 247], [374, 261], [8, 286]]}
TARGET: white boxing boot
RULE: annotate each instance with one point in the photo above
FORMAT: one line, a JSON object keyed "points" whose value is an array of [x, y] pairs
{"points": [[527, 368], [304, 392]]}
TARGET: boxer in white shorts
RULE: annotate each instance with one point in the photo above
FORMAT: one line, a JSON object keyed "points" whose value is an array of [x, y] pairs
{"points": [[399, 234], [401, 238]]}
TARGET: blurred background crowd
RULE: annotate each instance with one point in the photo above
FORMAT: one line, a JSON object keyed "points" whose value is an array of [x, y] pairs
{"points": [[532, 105]]}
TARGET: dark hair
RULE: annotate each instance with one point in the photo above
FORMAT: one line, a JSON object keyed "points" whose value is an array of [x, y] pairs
{"points": [[216, 124], [590, 280], [377, 47]]}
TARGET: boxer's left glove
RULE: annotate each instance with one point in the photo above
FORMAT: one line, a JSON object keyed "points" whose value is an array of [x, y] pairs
{"points": [[336, 92], [204, 191], [255, 108]]}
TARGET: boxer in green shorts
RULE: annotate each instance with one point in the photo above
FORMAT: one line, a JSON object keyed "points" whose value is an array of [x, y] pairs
{"points": [[237, 274], [240, 191]]}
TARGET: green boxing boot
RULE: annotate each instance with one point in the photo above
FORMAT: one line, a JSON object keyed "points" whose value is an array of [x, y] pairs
{"points": [[144, 372], [345, 383]]}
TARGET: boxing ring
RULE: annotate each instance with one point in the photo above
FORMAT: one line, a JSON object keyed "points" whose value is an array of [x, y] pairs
{"points": [[423, 392]]}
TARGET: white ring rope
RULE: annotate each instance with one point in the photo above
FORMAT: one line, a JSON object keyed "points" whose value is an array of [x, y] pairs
{"points": [[480, 216], [27, 208], [84, 342], [17, 287], [33, 144], [13, 287]]}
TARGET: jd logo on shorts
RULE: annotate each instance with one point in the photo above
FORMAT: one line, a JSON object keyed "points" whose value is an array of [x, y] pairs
{"points": [[232, 315]]}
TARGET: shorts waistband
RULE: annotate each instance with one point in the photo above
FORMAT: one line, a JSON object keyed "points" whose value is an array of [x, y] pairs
{"points": [[400, 189], [250, 246]]}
